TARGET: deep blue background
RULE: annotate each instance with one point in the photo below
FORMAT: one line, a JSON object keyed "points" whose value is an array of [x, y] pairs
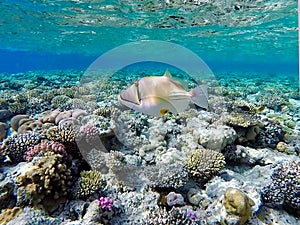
{"points": [[22, 61]]}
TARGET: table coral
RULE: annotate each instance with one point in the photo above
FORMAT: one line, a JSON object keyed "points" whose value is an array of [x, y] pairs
{"points": [[203, 164]]}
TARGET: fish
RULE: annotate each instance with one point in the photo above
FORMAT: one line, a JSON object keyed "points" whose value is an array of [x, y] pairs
{"points": [[158, 95]]}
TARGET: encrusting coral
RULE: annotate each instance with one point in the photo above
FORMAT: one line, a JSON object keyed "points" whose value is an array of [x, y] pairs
{"points": [[9, 214], [45, 184], [203, 164]]}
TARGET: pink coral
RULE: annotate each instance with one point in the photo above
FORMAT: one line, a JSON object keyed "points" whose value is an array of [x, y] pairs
{"points": [[105, 203], [39, 150]]}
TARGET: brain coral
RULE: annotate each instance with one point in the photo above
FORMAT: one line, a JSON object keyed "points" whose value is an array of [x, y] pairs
{"points": [[13, 148], [284, 190], [45, 184], [203, 164]]}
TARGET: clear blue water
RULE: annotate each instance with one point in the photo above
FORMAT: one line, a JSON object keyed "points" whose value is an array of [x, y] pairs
{"points": [[228, 35]]}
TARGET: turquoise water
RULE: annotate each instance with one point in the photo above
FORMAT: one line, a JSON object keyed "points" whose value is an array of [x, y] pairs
{"points": [[227, 35]]}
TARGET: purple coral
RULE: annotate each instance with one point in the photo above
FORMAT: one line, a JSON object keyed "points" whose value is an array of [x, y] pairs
{"points": [[105, 203], [191, 215]]}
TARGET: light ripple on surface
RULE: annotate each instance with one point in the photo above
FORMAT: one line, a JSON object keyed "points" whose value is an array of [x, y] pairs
{"points": [[246, 27]]}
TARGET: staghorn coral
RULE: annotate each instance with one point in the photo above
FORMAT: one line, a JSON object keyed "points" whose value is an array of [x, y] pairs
{"points": [[284, 190], [203, 164], [45, 184], [41, 149], [13, 148], [88, 184]]}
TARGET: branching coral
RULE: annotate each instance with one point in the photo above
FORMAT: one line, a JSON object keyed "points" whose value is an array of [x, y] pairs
{"points": [[203, 164], [13, 148], [174, 216], [284, 189], [88, 184], [41, 149]]}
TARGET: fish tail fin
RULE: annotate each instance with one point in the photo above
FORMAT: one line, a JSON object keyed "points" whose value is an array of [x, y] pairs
{"points": [[199, 96]]}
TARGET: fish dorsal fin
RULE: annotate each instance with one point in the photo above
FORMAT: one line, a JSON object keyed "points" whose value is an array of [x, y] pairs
{"points": [[167, 74]]}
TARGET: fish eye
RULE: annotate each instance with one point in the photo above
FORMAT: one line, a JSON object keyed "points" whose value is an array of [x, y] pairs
{"points": [[163, 111]]}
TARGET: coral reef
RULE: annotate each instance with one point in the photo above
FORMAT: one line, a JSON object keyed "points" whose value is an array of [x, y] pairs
{"points": [[174, 216], [9, 214], [3, 130], [175, 199], [270, 134], [46, 184], [203, 164], [89, 183], [41, 149], [166, 175], [13, 148], [283, 191], [105, 203], [237, 205]]}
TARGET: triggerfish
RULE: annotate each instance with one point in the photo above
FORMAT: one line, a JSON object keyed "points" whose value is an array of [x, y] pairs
{"points": [[157, 95]]}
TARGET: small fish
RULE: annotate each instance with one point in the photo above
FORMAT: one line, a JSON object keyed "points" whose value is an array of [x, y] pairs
{"points": [[158, 95]]}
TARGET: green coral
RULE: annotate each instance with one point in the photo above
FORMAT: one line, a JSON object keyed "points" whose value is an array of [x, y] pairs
{"points": [[203, 164], [88, 184]]}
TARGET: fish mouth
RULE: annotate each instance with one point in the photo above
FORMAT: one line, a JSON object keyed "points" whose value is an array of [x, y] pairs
{"points": [[123, 99]]}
